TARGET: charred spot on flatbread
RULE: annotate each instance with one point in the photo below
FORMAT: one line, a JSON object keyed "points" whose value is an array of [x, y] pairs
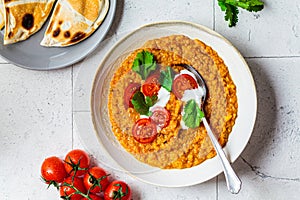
{"points": [[77, 37], [10, 34], [67, 34], [56, 32], [28, 21], [7, 1]]}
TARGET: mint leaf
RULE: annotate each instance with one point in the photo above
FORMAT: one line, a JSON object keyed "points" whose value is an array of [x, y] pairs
{"points": [[166, 78], [144, 64], [192, 114]]}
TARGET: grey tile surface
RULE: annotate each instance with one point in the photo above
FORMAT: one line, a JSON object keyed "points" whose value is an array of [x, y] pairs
{"points": [[37, 108]]}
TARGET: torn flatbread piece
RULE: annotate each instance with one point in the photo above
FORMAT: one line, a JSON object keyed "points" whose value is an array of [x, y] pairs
{"points": [[24, 18], [2, 18], [73, 21]]}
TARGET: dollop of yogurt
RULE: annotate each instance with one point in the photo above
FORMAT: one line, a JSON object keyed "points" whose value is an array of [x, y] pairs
{"points": [[163, 98], [195, 94]]}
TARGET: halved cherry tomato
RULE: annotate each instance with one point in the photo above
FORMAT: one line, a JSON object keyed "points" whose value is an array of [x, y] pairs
{"points": [[117, 190], [77, 162], [129, 92], [53, 170], [151, 85], [181, 83], [160, 116], [96, 180], [67, 188], [144, 131]]}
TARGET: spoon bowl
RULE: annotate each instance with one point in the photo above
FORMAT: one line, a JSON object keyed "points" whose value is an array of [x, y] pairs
{"points": [[232, 180]]}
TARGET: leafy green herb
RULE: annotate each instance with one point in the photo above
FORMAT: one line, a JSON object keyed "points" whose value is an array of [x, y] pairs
{"points": [[150, 101], [192, 114], [142, 104], [166, 78], [230, 7], [144, 63]]}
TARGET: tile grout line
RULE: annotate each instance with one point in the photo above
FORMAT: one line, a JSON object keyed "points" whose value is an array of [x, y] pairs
{"points": [[72, 104], [217, 187], [214, 15]]}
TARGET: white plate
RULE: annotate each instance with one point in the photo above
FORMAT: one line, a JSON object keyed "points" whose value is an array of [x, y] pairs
{"points": [[31, 55], [238, 138]]}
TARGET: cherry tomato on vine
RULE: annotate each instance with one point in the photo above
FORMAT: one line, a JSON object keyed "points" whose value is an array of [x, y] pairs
{"points": [[160, 116], [71, 187], [53, 170], [144, 131], [183, 82], [96, 180], [77, 162], [117, 190], [129, 92]]}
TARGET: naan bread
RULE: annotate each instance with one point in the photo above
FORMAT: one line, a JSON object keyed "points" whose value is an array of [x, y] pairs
{"points": [[2, 19], [23, 18], [73, 21]]}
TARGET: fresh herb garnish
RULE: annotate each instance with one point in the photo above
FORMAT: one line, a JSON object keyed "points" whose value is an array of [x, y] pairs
{"points": [[144, 63], [231, 8], [142, 104], [166, 78], [150, 101], [192, 114]]}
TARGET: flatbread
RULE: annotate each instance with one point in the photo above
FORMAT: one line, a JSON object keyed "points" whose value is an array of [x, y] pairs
{"points": [[2, 19], [23, 18], [73, 21]]}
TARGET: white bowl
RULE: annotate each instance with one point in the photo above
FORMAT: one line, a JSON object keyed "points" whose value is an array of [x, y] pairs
{"points": [[241, 76]]}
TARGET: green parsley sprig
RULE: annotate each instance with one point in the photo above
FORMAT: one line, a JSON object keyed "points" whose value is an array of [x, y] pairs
{"points": [[230, 7]]}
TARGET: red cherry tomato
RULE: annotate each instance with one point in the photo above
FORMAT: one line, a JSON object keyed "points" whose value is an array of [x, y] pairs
{"points": [[92, 197], [151, 85], [183, 82], [117, 190], [144, 131], [160, 116], [77, 162], [67, 190], [96, 180], [53, 170], [129, 92]]}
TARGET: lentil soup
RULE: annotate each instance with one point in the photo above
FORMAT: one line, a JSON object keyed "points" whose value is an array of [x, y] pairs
{"points": [[170, 145]]}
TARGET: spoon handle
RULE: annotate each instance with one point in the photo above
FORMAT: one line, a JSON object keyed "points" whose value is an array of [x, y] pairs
{"points": [[232, 180]]}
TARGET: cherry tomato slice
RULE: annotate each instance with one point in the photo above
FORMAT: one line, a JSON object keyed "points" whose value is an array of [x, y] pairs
{"points": [[144, 131], [160, 116], [151, 85], [181, 83], [129, 92]]}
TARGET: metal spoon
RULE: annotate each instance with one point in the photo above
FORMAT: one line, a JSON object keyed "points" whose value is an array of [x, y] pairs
{"points": [[232, 180]]}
